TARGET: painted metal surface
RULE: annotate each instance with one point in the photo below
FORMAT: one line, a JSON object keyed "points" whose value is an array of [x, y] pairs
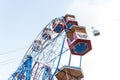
{"points": [[42, 59], [69, 73]]}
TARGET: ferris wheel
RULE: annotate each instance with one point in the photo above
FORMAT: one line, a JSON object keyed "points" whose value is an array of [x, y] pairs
{"points": [[42, 60]]}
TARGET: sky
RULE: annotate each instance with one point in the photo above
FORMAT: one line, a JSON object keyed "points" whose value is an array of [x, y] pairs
{"points": [[22, 20], [102, 63]]}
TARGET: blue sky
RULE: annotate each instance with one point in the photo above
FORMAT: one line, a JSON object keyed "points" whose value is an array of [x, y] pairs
{"points": [[22, 20], [20, 23]]}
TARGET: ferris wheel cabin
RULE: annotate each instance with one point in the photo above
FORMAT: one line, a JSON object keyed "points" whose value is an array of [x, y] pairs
{"points": [[69, 73], [58, 25], [70, 20], [78, 40], [46, 34], [77, 37]]}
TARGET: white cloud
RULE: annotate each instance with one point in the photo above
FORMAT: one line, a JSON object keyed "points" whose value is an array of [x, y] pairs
{"points": [[95, 12], [103, 61]]}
